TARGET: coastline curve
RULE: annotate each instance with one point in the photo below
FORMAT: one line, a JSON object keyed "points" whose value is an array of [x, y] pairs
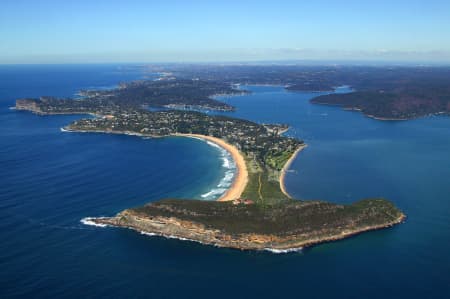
{"points": [[241, 178], [286, 168]]}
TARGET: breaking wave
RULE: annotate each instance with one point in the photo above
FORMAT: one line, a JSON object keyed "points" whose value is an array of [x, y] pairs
{"points": [[89, 221], [271, 250], [230, 171], [280, 251]]}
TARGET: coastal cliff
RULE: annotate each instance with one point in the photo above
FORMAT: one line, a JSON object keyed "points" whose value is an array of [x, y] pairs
{"points": [[256, 212], [28, 105], [286, 227]]}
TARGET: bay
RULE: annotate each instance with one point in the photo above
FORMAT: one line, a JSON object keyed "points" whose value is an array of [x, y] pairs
{"points": [[49, 180]]}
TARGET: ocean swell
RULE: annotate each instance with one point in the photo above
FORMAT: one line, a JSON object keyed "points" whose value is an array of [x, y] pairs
{"points": [[230, 171]]}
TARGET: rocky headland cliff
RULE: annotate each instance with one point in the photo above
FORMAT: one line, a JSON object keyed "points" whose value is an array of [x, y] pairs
{"points": [[286, 227]]}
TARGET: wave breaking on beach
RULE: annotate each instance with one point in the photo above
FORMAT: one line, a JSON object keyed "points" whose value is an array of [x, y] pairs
{"points": [[230, 171]]}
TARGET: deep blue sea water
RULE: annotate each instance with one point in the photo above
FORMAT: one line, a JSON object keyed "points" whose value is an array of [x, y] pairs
{"points": [[49, 180]]}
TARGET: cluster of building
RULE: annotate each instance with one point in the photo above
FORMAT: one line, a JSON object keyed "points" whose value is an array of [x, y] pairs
{"points": [[258, 141]]}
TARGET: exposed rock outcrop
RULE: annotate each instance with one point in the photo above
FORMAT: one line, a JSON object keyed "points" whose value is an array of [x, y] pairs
{"points": [[175, 221]]}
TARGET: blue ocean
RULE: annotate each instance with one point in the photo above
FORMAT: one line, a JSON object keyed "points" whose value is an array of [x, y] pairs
{"points": [[50, 180]]}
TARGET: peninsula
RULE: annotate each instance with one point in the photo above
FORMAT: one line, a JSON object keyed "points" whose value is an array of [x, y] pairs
{"points": [[257, 212], [380, 92]]}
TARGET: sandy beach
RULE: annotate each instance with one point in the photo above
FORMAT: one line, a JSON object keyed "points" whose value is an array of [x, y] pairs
{"points": [[241, 178], [286, 168]]}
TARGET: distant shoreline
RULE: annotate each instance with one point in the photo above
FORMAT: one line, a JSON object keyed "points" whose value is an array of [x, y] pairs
{"points": [[380, 118]]}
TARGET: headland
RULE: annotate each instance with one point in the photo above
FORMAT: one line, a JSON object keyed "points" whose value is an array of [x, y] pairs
{"points": [[256, 212]]}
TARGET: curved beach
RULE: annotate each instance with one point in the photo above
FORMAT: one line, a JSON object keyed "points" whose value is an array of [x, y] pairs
{"points": [[241, 177], [286, 168]]}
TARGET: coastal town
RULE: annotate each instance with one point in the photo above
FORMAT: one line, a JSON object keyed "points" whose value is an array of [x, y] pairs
{"points": [[137, 95], [256, 212], [127, 109], [264, 149], [229, 149], [263, 146]]}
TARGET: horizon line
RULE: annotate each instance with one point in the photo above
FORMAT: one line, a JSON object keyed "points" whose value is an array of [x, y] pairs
{"points": [[309, 62]]}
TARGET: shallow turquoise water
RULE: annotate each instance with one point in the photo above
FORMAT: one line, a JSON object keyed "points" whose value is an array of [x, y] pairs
{"points": [[50, 180]]}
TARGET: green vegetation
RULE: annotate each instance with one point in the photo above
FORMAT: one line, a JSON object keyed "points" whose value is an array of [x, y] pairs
{"points": [[264, 149], [289, 218], [277, 160], [388, 105], [192, 94], [121, 111], [382, 92], [264, 209], [263, 189]]}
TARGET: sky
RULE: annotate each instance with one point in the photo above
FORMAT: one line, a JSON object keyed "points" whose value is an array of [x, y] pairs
{"points": [[83, 31]]}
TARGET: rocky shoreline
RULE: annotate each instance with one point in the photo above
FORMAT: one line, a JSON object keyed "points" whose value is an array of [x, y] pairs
{"points": [[169, 224], [260, 214], [173, 227]]}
